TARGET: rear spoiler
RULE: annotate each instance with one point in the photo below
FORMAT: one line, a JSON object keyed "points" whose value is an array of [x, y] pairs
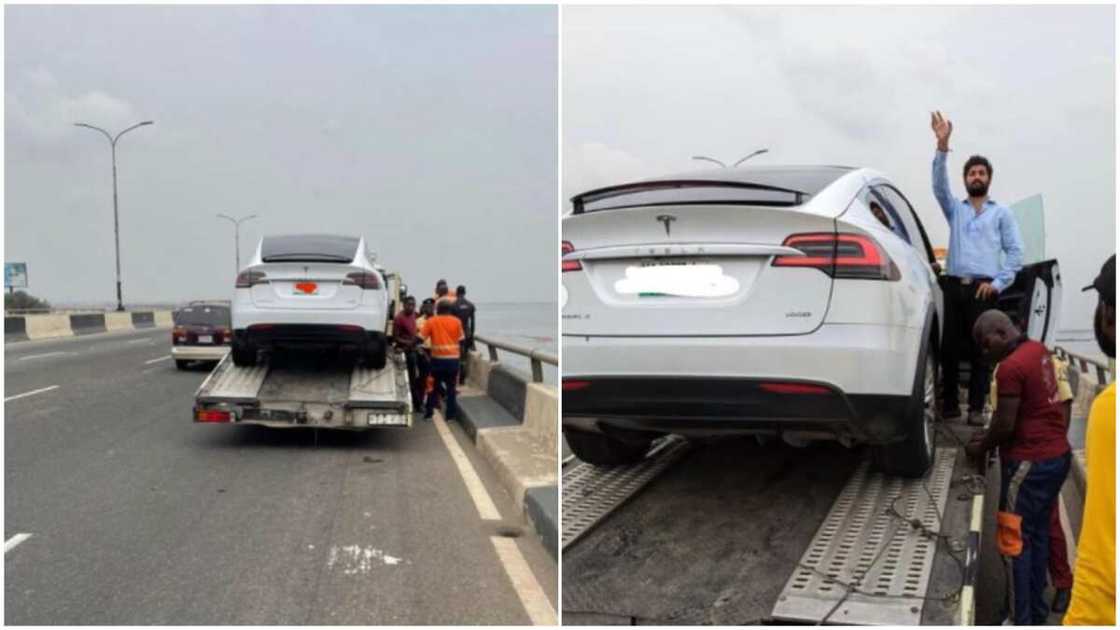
{"points": [[599, 194]]}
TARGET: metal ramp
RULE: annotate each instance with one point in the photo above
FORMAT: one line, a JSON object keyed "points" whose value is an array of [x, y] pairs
{"points": [[230, 383], [863, 546], [591, 493]]}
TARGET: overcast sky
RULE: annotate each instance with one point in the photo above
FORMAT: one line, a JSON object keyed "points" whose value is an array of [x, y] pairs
{"points": [[1031, 88], [430, 130]]}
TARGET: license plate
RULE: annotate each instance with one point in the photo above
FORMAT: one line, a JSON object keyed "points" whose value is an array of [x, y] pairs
{"points": [[387, 419], [205, 339], [307, 288]]}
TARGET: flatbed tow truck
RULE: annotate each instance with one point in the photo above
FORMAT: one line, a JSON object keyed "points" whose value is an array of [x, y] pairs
{"points": [[309, 389]]}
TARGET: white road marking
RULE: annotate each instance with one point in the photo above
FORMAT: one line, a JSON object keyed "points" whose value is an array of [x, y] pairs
{"points": [[354, 559], [163, 358], [15, 540], [146, 340], [487, 511], [529, 591], [45, 354], [31, 393]]}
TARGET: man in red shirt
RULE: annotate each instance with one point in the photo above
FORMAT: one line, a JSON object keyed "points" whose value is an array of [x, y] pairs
{"points": [[405, 338], [1028, 426]]}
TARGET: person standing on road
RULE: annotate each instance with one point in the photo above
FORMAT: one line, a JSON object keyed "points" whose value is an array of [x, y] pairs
{"points": [[445, 332], [1094, 579], [406, 339], [442, 293], [464, 310], [1028, 427], [980, 230], [424, 351], [1061, 576]]}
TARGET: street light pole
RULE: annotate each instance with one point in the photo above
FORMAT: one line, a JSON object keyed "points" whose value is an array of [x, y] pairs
{"points": [[236, 237], [116, 215], [744, 159]]}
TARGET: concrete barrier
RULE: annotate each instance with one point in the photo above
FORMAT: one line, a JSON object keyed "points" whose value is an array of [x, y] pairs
{"points": [[15, 329], [118, 321], [143, 319], [88, 324], [163, 319], [514, 425], [48, 326]]}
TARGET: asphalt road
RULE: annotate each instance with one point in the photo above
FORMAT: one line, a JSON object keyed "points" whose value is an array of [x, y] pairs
{"points": [[139, 516]]}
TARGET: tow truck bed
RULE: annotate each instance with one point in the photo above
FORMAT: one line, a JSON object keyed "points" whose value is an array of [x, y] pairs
{"points": [[307, 391]]}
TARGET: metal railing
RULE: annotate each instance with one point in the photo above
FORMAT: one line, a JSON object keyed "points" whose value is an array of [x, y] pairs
{"points": [[536, 357], [1083, 363]]}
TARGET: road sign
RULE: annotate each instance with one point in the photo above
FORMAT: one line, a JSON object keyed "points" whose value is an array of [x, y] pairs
{"points": [[15, 275]]}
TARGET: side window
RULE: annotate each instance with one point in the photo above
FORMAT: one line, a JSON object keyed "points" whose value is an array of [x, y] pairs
{"points": [[885, 211], [909, 219]]}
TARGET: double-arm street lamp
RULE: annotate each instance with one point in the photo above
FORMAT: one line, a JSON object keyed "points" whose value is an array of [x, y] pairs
{"points": [[116, 221], [744, 159], [237, 237]]}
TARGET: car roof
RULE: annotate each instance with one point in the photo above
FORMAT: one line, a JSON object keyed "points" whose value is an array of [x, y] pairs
{"points": [[803, 181]]}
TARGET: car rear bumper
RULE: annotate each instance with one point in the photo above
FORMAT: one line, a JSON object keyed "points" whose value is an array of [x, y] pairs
{"points": [[308, 334], [678, 384], [713, 406], [199, 353]]}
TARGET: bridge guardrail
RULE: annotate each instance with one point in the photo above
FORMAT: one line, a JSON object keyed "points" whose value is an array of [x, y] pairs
{"points": [[536, 356]]}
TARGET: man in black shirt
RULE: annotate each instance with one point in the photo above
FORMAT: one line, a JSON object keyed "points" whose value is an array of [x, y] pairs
{"points": [[464, 310]]}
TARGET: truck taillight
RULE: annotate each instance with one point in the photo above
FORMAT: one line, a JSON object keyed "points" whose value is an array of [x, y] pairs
{"points": [[212, 415], [363, 280], [247, 279], [844, 256], [568, 265]]}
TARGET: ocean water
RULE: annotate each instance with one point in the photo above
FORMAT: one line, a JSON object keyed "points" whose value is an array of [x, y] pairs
{"points": [[531, 324]]}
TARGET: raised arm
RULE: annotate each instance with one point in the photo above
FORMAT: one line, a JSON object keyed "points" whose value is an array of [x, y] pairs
{"points": [[942, 129]]}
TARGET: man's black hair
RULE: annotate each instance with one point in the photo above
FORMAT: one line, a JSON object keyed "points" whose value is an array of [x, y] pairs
{"points": [[443, 307], [460, 290], [978, 160]]}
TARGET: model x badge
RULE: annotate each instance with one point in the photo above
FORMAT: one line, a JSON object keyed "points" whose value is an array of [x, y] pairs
{"points": [[667, 219]]}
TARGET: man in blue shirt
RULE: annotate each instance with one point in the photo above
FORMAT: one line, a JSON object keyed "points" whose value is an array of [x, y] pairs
{"points": [[985, 253]]}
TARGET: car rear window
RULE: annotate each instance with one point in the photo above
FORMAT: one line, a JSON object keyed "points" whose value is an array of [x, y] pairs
{"points": [[202, 315], [309, 248]]}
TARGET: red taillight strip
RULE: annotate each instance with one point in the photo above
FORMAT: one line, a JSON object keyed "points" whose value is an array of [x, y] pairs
{"points": [[568, 265], [247, 279], [573, 385], [212, 415], [872, 257], [793, 388]]}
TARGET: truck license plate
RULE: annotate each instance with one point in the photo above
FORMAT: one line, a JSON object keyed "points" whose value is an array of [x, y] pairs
{"points": [[386, 420]]}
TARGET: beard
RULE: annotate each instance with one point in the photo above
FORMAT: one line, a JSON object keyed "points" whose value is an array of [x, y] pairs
{"points": [[977, 188], [1108, 346]]}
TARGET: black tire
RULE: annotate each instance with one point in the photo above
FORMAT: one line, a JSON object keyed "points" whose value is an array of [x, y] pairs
{"points": [[181, 364], [244, 353], [913, 456], [376, 353], [604, 450]]}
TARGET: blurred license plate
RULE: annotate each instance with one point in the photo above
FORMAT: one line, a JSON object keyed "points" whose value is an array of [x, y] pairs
{"points": [[205, 339], [387, 419], [307, 288]]}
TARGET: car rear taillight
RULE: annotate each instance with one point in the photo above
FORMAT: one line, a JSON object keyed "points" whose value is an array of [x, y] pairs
{"points": [[211, 415], [568, 265], [363, 280], [793, 388], [350, 328], [178, 334], [848, 256], [574, 385], [247, 279]]}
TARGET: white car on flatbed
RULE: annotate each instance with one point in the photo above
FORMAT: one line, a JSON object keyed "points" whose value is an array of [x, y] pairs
{"points": [[310, 290]]}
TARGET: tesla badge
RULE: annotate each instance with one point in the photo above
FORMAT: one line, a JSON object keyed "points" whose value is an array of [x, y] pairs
{"points": [[667, 219]]}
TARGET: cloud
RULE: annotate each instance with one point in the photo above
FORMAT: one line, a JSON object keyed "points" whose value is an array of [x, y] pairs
{"points": [[41, 111]]}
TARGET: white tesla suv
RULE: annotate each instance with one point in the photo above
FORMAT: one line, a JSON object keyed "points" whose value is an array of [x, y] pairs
{"points": [[768, 300], [310, 289]]}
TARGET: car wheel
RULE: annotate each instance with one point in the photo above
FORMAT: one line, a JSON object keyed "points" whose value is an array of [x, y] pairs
{"points": [[604, 450], [913, 456], [181, 364], [376, 354], [244, 353]]}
